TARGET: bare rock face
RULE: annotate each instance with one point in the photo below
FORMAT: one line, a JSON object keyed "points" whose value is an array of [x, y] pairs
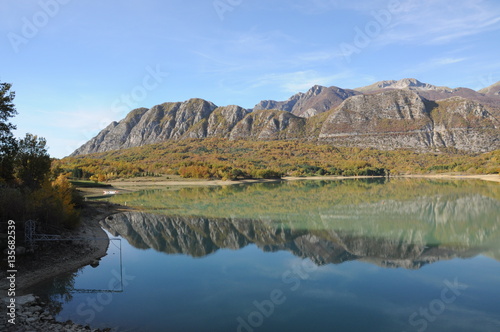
{"points": [[113, 136], [405, 83], [385, 112], [268, 125], [222, 121], [402, 119], [172, 121], [465, 125], [158, 124], [394, 119]]}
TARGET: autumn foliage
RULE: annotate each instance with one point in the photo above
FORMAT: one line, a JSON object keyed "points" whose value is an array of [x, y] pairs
{"points": [[236, 159]]}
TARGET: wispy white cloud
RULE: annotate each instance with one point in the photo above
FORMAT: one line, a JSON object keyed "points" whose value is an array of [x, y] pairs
{"points": [[441, 21], [447, 61], [320, 6], [433, 64], [238, 51], [294, 82], [321, 56], [418, 22]]}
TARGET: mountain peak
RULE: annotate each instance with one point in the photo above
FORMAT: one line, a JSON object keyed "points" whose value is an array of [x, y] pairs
{"points": [[410, 82], [316, 89], [317, 99], [405, 83], [492, 90]]}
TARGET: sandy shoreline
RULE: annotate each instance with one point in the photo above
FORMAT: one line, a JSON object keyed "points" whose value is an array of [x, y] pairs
{"points": [[484, 177]]}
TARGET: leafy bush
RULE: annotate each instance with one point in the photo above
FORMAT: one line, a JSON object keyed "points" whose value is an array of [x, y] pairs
{"points": [[54, 204], [195, 171], [266, 174]]}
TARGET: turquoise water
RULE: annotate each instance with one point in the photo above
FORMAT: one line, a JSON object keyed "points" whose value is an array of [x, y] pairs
{"points": [[304, 256]]}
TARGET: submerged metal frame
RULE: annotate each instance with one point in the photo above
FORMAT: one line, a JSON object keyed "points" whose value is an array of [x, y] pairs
{"points": [[30, 237]]}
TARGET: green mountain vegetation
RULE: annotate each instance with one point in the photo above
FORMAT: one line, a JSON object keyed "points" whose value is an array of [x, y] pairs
{"points": [[221, 158]]}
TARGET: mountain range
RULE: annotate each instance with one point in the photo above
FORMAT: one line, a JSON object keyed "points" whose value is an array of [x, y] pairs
{"points": [[386, 115]]}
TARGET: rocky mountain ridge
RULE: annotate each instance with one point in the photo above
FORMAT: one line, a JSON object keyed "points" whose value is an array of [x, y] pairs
{"points": [[389, 118], [405, 83], [317, 100], [431, 92]]}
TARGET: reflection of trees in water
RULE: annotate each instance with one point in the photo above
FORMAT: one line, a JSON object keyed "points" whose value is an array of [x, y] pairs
{"points": [[291, 201], [58, 291]]}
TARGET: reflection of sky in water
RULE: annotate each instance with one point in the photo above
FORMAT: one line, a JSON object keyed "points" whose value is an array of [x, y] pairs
{"points": [[177, 292]]}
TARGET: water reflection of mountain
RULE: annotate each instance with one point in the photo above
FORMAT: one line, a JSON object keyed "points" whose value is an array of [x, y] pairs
{"points": [[403, 247]]}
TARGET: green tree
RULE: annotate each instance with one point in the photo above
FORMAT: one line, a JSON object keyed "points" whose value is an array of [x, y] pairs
{"points": [[8, 144], [32, 165]]}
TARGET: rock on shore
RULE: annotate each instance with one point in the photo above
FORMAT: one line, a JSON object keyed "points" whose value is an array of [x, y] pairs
{"points": [[31, 316]]}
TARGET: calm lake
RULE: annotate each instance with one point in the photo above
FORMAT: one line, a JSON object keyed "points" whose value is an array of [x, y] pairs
{"points": [[352, 255]]}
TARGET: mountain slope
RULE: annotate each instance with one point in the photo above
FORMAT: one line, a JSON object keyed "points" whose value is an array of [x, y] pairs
{"points": [[317, 100], [402, 119], [143, 126], [269, 125], [405, 83], [493, 90], [431, 92]]}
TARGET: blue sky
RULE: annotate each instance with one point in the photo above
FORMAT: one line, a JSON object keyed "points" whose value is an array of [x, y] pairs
{"points": [[77, 65]]}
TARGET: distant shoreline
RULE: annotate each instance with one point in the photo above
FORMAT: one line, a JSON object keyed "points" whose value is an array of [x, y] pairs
{"points": [[484, 177], [136, 184], [194, 182]]}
